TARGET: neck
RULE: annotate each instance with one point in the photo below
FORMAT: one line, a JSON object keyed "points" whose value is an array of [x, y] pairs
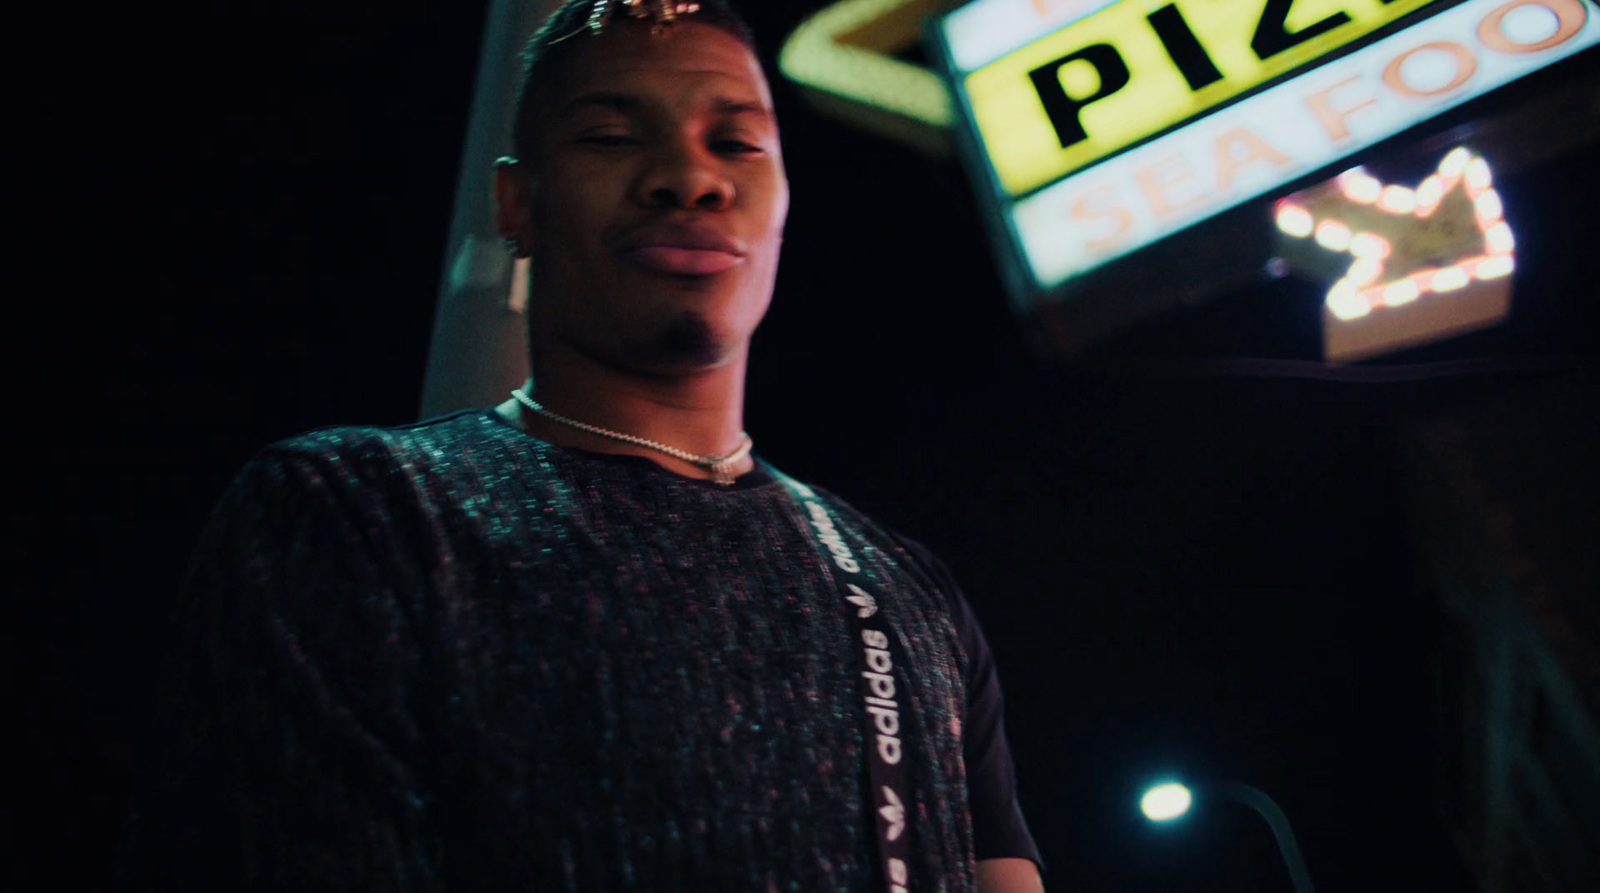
{"points": [[701, 412]]}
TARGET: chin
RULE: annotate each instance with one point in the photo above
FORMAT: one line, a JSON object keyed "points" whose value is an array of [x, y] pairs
{"points": [[689, 341]]}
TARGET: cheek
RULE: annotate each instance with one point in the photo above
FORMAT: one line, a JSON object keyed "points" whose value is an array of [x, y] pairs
{"points": [[559, 216], [568, 212], [779, 201], [772, 201], [769, 212]]}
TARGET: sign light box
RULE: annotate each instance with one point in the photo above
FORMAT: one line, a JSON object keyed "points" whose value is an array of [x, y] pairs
{"points": [[1129, 71], [1114, 125]]}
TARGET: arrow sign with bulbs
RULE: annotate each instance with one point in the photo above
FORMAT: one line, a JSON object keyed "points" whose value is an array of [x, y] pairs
{"points": [[1417, 264]]}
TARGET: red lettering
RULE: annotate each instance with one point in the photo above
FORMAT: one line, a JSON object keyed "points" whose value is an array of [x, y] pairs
{"points": [[1570, 16], [1159, 180], [1092, 206], [1240, 147], [1466, 65], [1336, 121]]}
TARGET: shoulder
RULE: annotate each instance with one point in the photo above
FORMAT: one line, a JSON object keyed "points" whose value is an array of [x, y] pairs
{"points": [[930, 574], [352, 484], [365, 444], [909, 555], [344, 456], [904, 550], [370, 471]]}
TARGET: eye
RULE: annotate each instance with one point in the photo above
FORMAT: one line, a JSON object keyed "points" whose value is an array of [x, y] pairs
{"points": [[608, 140], [735, 147]]}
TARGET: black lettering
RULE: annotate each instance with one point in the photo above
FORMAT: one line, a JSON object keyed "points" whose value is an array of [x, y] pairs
{"points": [[1273, 35], [1063, 109], [1184, 47]]}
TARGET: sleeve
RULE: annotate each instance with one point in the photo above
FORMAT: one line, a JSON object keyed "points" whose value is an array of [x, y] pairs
{"points": [[293, 756], [998, 827]]}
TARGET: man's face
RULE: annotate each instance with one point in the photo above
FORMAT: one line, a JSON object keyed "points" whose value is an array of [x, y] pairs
{"points": [[655, 200]]}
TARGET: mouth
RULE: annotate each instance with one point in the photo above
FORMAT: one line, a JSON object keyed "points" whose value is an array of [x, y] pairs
{"points": [[682, 249]]}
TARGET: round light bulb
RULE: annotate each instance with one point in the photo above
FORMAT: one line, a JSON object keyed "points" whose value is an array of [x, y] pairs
{"points": [[1165, 802]]}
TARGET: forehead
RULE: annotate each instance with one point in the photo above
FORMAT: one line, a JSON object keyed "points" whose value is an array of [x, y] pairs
{"points": [[687, 61]]}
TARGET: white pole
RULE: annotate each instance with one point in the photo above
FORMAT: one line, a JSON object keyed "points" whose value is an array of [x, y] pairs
{"points": [[478, 351], [1278, 820]]}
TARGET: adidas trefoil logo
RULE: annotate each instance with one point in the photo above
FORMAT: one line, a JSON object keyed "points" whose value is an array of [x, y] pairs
{"points": [[894, 812], [866, 606]]}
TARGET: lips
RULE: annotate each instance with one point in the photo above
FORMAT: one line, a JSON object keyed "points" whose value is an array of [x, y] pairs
{"points": [[681, 249]]}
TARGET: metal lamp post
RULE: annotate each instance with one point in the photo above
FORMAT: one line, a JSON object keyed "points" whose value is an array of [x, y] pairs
{"points": [[1166, 802]]}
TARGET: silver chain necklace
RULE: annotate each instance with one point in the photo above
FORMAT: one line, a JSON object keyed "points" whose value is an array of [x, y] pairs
{"points": [[721, 467]]}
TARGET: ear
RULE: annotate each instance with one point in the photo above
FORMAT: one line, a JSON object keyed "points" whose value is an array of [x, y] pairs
{"points": [[511, 212]]}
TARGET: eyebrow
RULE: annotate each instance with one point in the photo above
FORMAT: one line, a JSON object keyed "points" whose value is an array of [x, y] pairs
{"points": [[628, 104], [618, 102], [726, 106]]}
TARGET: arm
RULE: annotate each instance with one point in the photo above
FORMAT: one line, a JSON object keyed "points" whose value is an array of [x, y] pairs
{"points": [[1008, 858], [1009, 875], [296, 762]]}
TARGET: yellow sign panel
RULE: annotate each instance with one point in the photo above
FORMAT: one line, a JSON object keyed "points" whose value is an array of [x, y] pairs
{"points": [[1136, 68]]}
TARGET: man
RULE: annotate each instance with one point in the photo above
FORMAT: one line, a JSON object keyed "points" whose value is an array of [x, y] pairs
{"points": [[585, 641]]}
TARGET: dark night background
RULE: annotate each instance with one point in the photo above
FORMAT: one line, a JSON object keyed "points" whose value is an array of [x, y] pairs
{"points": [[235, 223]]}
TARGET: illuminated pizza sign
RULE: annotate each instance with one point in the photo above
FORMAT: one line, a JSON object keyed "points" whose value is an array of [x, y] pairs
{"points": [[1134, 69], [1113, 126]]}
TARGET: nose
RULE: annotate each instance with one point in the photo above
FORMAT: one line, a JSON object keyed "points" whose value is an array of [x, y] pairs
{"points": [[685, 176]]}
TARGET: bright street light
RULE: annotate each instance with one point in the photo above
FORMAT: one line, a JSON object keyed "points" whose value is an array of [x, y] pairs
{"points": [[1165, 802]]}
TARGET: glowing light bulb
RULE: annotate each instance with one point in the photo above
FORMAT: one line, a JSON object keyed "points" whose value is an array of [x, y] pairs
{"points": [[1360, 186], [1369, 245], [1477, 174], [1429, 194], [1165, 802], [1346, 301], [1364, 270], [1403, 292], [1489, 206], [1397, 199], [1452, 164], [1450, 279], [1294, 220], [1333, 235], [1494, 267], [1499, 238]]}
